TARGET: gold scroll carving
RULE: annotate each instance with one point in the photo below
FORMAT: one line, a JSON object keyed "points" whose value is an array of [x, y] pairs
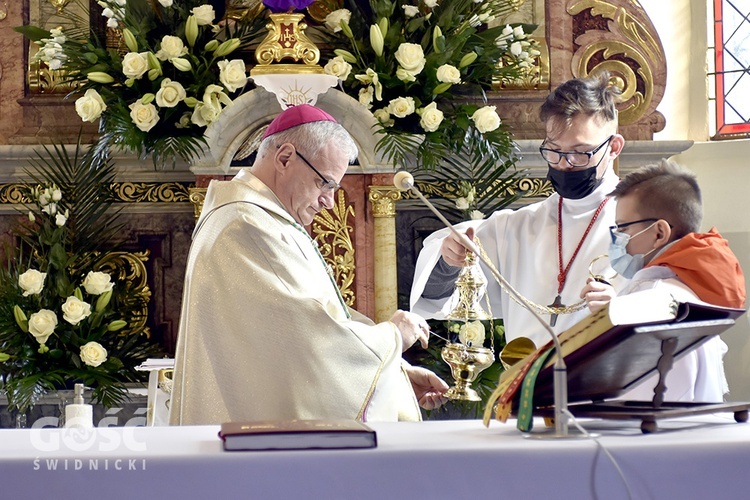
{"points": [[129, 270], [630, 50]]}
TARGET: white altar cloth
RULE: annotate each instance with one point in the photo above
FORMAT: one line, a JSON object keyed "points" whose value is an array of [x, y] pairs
{"points": [[700, 457]]}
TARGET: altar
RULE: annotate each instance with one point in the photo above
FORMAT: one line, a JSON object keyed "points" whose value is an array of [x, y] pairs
{"points": [[700, 457]]}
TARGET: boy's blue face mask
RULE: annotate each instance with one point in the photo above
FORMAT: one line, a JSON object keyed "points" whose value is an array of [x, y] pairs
{"points": [[621, 261]]}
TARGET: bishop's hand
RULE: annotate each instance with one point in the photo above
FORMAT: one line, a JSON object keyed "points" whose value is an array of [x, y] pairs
{"points": [[412, 328], [428, 387]]}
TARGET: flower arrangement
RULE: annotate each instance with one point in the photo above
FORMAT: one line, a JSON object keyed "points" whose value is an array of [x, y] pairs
{"points": [[170, 77], [62, 319], [414, 63]]}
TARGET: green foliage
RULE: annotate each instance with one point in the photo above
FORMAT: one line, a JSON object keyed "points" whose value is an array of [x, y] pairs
{"points": [[58, 324], [163, 131], [451, 35]]}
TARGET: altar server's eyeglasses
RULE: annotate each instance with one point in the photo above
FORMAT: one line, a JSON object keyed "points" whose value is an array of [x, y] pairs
{"points": [[326, 184], [614, 230], [574, 158]]}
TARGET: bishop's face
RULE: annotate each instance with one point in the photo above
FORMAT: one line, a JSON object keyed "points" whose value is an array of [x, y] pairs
{"points": [[310, 181]]}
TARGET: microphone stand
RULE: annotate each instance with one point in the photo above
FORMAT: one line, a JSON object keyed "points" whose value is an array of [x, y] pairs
{"points": [[404, 181]]}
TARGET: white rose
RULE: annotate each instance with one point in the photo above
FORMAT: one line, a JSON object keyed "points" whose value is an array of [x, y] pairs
{"points": [[432, 117], [171, 47], [431, 3], [232, 74], [31, 282], [476, 215], [42, 324], [462, 203], [75, 310], [472, 334], [204, 14], [205, 113], [486, 119], [144, 116], [411, 57], [170, 94], [60, 220], [365, 96], [134, 64], [338, 68], [93, 354], [401, 106], [410, 10], [333, 20], [166, 3], [90, 106], [384, 117], [448, 74], [96, 283]]}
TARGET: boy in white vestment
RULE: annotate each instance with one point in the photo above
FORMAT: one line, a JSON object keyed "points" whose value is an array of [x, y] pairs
{"points": [[544, 249], [655, 243], [264, 332]]}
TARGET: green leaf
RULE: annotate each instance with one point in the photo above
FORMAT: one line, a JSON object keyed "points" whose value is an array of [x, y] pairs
{"points": [[32, 32]]}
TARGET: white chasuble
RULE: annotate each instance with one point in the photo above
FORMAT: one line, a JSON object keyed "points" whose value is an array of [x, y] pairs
{"points": [[523, 246], [263, 331]]}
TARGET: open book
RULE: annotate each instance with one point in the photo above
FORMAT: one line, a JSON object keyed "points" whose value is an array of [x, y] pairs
{"points": [[296, 435], [616, 348]]}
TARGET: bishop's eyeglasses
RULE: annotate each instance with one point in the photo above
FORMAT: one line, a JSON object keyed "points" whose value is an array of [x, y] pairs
{"points": [[326, 184]]}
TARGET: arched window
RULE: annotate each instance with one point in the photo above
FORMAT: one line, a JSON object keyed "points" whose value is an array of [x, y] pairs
{"points": [[729, 69]]}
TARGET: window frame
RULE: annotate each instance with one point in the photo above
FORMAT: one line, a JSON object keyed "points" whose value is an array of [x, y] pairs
{"points": [[723, 130]]}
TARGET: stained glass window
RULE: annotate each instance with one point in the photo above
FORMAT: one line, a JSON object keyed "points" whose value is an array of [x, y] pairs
{"points": [[729, 71]]}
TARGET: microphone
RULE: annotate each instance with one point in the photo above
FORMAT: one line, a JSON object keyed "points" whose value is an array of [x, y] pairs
{"points": [[404, 181]]}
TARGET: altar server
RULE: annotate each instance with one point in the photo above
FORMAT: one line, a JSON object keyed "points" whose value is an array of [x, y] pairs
{"points": [[264, 332], [656, 243], [543, 249]]}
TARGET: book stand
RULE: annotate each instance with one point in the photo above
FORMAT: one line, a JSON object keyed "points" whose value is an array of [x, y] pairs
{"points": [[613, 364]]}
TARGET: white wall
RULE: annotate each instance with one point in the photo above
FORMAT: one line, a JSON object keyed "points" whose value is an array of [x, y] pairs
{"points": [[723, 167]]}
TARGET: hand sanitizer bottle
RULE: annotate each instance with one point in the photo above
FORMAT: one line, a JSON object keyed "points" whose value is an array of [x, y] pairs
{"points": [[79, 414]]}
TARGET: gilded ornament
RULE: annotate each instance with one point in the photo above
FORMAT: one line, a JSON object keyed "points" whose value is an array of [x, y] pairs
{"points": [[286, 39], [129, 269], [332, 231], [383, 200], [631, 55], [197, 197]]}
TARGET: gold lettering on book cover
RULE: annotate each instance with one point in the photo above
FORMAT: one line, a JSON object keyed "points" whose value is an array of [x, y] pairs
{"points": [[332, 231]]}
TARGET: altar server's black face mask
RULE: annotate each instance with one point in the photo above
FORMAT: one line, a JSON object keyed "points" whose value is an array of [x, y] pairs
{"points": [[574, 184]]}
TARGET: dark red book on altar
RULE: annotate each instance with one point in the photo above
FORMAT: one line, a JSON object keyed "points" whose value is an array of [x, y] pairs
{"points": [[296, 435]]}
